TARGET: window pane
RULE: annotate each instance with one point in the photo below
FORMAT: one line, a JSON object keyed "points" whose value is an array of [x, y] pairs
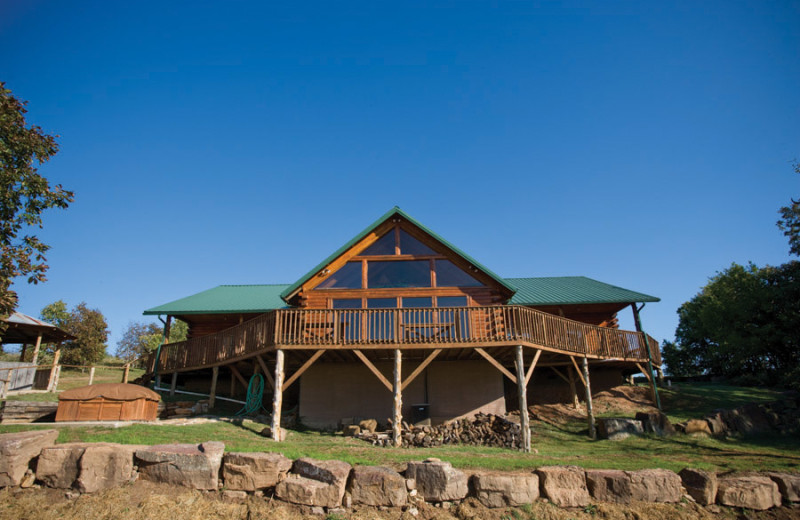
{"points": [[350, 303], [409, 273], [348, 277], [411, 246], [451, 301], [381, 303], [383, 246], [450, 275], [410, 303]]}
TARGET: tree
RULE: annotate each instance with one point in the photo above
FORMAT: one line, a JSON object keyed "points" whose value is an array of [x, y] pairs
{"points": [[789, 222], [87, 325], [142, 338], [24, 195]]}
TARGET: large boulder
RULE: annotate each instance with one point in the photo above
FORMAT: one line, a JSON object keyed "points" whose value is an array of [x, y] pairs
{"points": [[697, 427], [377, 486], [105, 466], [655, 485], [565, 486], [701, 485], [788, 485], [438, 481], [748, 491], [504, 490], [607, 485], [57, 466], [18, 449], [618, 428], [254, 471], [716, 424], [190, 465], [656, 423], [309, 492]]}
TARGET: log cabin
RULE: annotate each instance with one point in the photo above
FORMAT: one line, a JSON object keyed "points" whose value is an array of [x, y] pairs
{"points": [[400, 323]]}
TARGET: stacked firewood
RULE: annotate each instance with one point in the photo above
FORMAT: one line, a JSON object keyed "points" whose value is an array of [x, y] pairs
{"points": [[181, 409], [481, 430]]}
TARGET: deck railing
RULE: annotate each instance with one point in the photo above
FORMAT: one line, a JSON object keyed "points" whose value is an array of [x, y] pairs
{"points": [[437, 327]]}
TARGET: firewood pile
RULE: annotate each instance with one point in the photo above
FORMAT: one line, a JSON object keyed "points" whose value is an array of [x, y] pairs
{"points": [[481, 430], [181, 409]]}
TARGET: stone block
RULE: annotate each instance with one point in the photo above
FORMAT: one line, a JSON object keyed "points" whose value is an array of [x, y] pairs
{"points": [[788, 485], [697, 426], [377, 486], [309, 492], [438, 481], [701, 485], [607, 485], [749, 491], [656, 423], [504, 490], [655, 485], [618, 428], [190, 465], [103, 467], [57, 466], [253, 471], [565, 486], [18, 449]]}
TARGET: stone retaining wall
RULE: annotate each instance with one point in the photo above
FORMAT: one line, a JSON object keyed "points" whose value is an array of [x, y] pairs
{"points": [[31, 458]]}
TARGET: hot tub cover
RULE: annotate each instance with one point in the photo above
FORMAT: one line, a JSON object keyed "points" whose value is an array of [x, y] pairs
{"points": [[113, 391]]}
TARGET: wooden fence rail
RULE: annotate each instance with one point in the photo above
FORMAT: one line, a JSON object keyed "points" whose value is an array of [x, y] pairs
{"points": [[398, 328]]}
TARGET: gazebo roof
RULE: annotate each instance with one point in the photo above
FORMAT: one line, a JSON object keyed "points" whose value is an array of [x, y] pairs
{"points": [[25, 329]]}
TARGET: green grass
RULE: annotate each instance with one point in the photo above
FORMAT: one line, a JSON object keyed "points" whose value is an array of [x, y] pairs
{"points": [[567, 444], [694, 400]]}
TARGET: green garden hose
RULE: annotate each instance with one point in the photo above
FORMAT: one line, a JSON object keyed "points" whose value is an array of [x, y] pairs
{"points": [[255, 396]]}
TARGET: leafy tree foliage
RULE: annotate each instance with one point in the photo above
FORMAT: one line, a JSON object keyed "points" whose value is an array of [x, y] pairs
{"points": [[743, 324], [87, 325], [142, 338], [789, 222], [24, 195]]}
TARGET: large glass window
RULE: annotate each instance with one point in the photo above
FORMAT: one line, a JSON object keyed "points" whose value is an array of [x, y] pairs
{"points": [[451, 301], [417, 302], [348, 277], [349, 303], [383, 246], [411, 246], [408, 273], [450, 275]]}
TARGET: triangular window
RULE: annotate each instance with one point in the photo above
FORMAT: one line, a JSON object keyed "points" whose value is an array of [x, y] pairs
{"points": [[383, 246], [449, 274], [411, 246]]}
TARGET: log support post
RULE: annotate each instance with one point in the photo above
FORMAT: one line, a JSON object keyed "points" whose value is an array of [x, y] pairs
{"points": [[572, 388], [277, 397], [126, 372], [173, 384], [52, 382], [212, 394], [522, 394], [36, 349], [589, 410], [22, 352], [397, 388], [91, 375]]}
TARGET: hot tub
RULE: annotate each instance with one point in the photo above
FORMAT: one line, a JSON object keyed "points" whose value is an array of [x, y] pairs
{"points": [[108, 402]]}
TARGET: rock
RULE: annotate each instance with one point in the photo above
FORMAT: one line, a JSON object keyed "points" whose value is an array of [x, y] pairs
{"points": [[609, 485], [749, 491], [368, 425], [565, 486], [717, 424], [57, 466], [617, 428], [103, 467], [190, 465], [506, 490], [267, 432], [701, 485], [27, 479], [309, 492], [377, 486], [655, 485], [697, 426], [411, 484], [17, 450], [252, 471], [351, 430], [438, 481], [231, 494], [656, 422], [788, 485]]}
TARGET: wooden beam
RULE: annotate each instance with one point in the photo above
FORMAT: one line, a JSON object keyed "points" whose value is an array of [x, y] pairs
{"points": [[302, 369], [173, 384], [212, 394], [533, 365], [589, 411], [558, 372], [649, 380], [126, 372], [277, 397], [522, 395], [167, 328], [91, 375], [397, 410], [417, 371], [52, 382], [374, 370], [267, 373], [572, 388], [497, 365], [578, 370], [238, 375], [36, 349]]}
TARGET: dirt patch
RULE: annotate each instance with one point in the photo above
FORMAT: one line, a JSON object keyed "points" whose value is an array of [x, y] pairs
{"points": [[620, 400]]}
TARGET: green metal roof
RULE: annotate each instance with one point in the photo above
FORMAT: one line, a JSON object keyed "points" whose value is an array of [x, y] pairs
{"points": [[392, 212], [226, 299], [562, 290], [571, 290]]}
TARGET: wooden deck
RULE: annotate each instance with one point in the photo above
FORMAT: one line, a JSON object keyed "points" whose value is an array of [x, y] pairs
{"points": [[439, 328]]}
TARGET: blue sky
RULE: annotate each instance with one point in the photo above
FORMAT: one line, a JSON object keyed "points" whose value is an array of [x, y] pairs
{"points": [[644, 144]]}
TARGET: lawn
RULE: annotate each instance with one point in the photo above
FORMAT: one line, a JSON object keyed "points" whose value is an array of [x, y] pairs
{"points": [[566, 444]]}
